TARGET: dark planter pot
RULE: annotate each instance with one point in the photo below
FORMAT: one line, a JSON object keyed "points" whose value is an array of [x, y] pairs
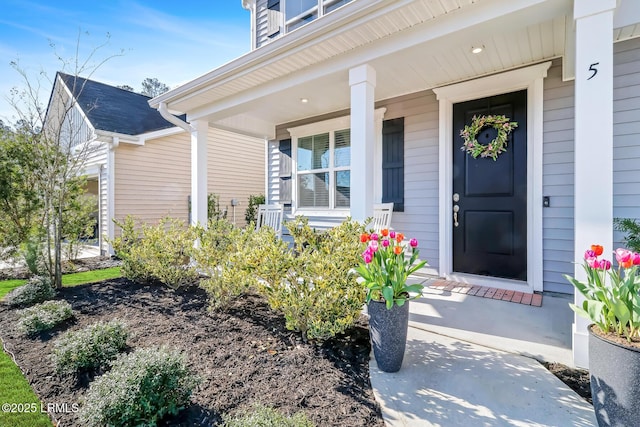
{"points": [[388, 332], [615, 382]]}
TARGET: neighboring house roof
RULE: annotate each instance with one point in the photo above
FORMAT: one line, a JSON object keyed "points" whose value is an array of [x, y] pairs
{"points": [[112, 109]]}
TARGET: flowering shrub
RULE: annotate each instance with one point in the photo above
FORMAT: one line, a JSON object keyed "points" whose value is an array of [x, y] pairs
{"points": [[612, 300], [224, 256], [260, 415], [42, 317], [315, 287], [89, 348], [156, 252], [140, 389], [385, 268]]}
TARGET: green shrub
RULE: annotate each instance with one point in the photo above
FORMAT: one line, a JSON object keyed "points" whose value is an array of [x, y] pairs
{"points": [[317, 292], [263, 416], [140, 389], [252, 208], [157, 252], [37, 289], [32, 253], [89, 348], [213, 208], [632, 229], [224, 256], [44, 316]]}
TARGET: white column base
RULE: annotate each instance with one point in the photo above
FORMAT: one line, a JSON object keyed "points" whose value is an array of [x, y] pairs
{"points": [[580, 346]]}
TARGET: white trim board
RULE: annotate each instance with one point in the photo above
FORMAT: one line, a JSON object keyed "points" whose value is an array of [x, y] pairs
{"points": [[530, 78]]}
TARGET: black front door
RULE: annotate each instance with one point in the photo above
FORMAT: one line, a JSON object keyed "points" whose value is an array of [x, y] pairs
{"points": [[490, 227]]}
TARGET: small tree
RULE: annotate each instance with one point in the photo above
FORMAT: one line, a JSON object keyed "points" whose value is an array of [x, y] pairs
{"points": [[55, 150], [80, 222], [252, 208], [153, 87], [20, 204]]}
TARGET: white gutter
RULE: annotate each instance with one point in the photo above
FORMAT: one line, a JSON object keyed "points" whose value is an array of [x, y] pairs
{"points": [[164, 112]]}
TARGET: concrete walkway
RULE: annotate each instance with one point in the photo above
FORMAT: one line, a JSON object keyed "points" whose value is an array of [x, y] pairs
{"points": [[465, 379]]}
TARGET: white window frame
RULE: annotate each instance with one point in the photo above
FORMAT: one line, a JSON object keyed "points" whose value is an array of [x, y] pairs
{"points": [[330, 127], [318, 9]]}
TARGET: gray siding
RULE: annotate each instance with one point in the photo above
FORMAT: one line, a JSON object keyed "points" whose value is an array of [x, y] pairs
{"points": [[626, 132], [557, 181], [261, 23], [420, 216]]}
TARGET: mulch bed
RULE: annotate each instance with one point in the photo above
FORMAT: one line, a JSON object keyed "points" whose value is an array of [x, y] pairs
{"points": [[576, 379], [243, 355]]}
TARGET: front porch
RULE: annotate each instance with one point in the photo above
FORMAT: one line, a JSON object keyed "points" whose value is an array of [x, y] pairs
{"points": [[540, 329], [474, 361], [332, 87]]}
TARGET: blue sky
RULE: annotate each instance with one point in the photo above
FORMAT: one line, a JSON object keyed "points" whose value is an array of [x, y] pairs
{"points": [[174, 41]]}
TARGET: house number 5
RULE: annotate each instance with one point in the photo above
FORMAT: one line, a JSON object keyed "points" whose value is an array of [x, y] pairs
{"points": [[593, 70]]}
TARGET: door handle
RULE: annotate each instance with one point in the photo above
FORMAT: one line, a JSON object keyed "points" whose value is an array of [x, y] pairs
{"points": [[456, 208]]}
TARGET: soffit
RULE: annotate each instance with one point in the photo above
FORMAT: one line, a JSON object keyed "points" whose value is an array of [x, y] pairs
{"points": [[269, 90], [386, 18]]}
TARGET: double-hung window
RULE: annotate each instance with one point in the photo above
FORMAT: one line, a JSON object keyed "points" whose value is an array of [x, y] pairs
{"points": [[298, 12], [323, 170]]}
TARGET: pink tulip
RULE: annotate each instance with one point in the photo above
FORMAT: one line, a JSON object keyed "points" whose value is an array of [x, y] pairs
{"points": [[623, 255], [636, 258], [413, 243], [374, 236], [392, 234], [385, 243], [605, 264], [589, 254], [367, 257], [373, 245], [593, 262]]}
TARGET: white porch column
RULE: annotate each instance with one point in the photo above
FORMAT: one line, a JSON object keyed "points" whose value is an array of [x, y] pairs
{"points": [[593, 217], [199, 130], [362, 80]]}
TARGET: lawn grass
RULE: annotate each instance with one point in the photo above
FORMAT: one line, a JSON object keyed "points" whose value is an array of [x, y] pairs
{"points": [[14, 388], [76, 279], [7, 286], [73, 279]]}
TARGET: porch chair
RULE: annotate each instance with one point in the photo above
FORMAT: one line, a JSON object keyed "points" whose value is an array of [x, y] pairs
{"points": [[271, 216], [381, 216]]}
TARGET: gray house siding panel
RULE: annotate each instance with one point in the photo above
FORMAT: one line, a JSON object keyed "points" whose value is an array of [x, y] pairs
{"points": [[626, 132], [261, 22], [420, 216], [558, 158]]}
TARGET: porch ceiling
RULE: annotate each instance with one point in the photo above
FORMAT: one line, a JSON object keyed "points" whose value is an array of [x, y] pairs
{"points": [[413, 45]]}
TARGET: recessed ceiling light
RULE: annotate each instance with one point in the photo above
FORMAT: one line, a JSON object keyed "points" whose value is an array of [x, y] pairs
{"points": [[304, 100], [477, 49]]}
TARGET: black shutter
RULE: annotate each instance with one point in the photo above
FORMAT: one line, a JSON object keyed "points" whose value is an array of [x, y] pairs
{"points": [[285, 172], [393, 163]]}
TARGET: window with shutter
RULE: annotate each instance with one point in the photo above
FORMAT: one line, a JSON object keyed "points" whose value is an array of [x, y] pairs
{"points": [[324, 170], [393, 163]]}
